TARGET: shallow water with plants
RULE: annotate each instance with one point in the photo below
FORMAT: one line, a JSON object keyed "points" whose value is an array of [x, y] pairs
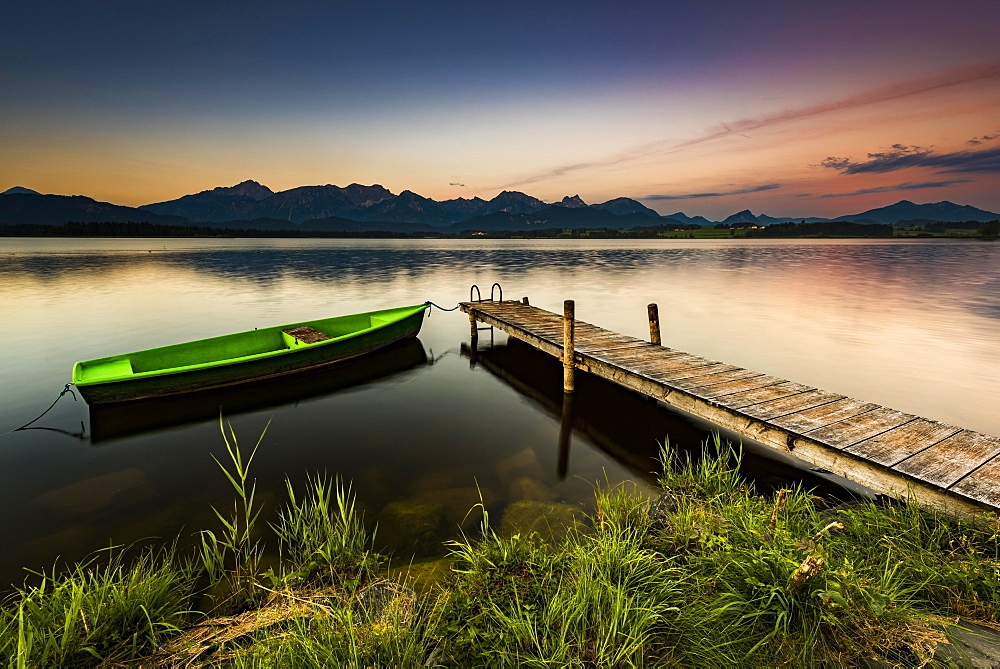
{"points": [[426, 430]]}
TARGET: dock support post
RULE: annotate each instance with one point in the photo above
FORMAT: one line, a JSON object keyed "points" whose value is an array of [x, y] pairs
{"points": [[654, 324], [569, 317], [524, 300], [473, 329]]}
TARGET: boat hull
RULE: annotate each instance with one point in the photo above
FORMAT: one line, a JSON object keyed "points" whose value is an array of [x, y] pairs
{"points": [[117, 420], [264, 364]]}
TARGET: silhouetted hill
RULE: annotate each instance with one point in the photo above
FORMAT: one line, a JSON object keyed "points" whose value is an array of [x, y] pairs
{"points": [[936, 211], [250, 200], [367, 196], [690, 220], [355, 202], [461, 208], [363, 203], [248, 188], [58, 209], [408, 207], [309, 202], [745, 216], [622, 206], [513, 202], [218, 204], [251, 203]]}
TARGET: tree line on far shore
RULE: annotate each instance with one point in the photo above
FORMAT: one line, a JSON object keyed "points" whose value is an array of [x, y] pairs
{"points": [[824, 228], [988, 230]]}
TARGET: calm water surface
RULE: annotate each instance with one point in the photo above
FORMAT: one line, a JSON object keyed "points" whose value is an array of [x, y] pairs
{"points": [[914, 325]]}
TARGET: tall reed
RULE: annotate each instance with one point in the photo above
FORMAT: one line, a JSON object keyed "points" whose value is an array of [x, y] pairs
{"points": [[231, 557], [323, 534]]}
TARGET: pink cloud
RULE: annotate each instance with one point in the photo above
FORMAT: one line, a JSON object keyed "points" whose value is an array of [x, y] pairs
{"points": [[873, 96]]}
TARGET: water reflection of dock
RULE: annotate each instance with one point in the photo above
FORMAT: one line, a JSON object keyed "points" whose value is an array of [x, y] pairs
{"points": [[942, 466], [626, 425], [115, 421]]}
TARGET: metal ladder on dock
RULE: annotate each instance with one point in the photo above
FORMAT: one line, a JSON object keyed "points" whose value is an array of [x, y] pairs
{"points": [[495, 291]]}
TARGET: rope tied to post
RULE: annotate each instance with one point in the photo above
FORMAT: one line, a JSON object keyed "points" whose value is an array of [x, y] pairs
{"points": [[66, 389], [431, 304]]}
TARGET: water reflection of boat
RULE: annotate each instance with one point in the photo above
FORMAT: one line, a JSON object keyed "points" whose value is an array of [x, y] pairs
{"points": [[627, 426], [115, 421], [242, 357]]}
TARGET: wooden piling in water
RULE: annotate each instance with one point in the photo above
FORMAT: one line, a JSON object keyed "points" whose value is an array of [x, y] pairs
{"points": [[654, 324], [569, 318], [473, 328], [524, 300], [565, 432]]}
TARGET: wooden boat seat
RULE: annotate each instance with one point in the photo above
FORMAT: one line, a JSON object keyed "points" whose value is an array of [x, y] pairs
{"points": [[307, 334]]}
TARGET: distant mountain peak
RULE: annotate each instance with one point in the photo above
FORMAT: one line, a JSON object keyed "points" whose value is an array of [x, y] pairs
{"points": [[515, 202], [366, 196], [513, 195], [410, 196], [623, 206], [681, 217], [934, 211], [745, 216], [248, 188], [20, 190], [574, 202]]}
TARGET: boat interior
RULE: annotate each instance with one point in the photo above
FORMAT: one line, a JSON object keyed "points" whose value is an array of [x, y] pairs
{"points": [[230, 347]]}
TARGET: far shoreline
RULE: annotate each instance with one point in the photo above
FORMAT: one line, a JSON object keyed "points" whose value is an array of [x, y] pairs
{"points": [[831, 230]]}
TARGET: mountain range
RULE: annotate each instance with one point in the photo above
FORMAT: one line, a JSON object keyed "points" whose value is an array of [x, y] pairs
{"points": [[250, 200], [358, 208]]}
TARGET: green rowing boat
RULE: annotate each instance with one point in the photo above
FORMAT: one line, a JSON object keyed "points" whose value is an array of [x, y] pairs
{"points": [[242, 357]]}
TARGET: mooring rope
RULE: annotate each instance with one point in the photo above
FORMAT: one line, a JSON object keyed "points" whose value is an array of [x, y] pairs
{"points": [[429, 303], [66, 389]]}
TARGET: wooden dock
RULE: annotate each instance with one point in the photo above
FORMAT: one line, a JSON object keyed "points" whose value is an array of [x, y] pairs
{"points": [[943, 466]]}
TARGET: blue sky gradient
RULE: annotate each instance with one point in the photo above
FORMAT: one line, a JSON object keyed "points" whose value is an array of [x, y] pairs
{"points": [[135, 102]]}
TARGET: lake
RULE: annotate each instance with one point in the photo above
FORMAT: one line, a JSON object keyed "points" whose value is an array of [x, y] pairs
{"points": [[431, 427]]}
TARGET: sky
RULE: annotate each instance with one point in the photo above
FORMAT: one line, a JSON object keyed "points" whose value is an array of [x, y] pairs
{"points": [[785, 108]]}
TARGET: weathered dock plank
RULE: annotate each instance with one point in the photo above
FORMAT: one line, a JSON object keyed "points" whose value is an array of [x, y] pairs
{"points": [[982, 483], [943, 466], [761, 396], [824, 414], [851, 430], [894, 446], [951, 459]]}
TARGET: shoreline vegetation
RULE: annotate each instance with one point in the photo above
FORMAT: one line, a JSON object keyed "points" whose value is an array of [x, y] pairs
{"points": [[709, 573], [830, 229]]}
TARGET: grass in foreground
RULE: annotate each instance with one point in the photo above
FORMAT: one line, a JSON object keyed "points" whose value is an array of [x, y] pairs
{"points": [[711, 574], [108, 609]]}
